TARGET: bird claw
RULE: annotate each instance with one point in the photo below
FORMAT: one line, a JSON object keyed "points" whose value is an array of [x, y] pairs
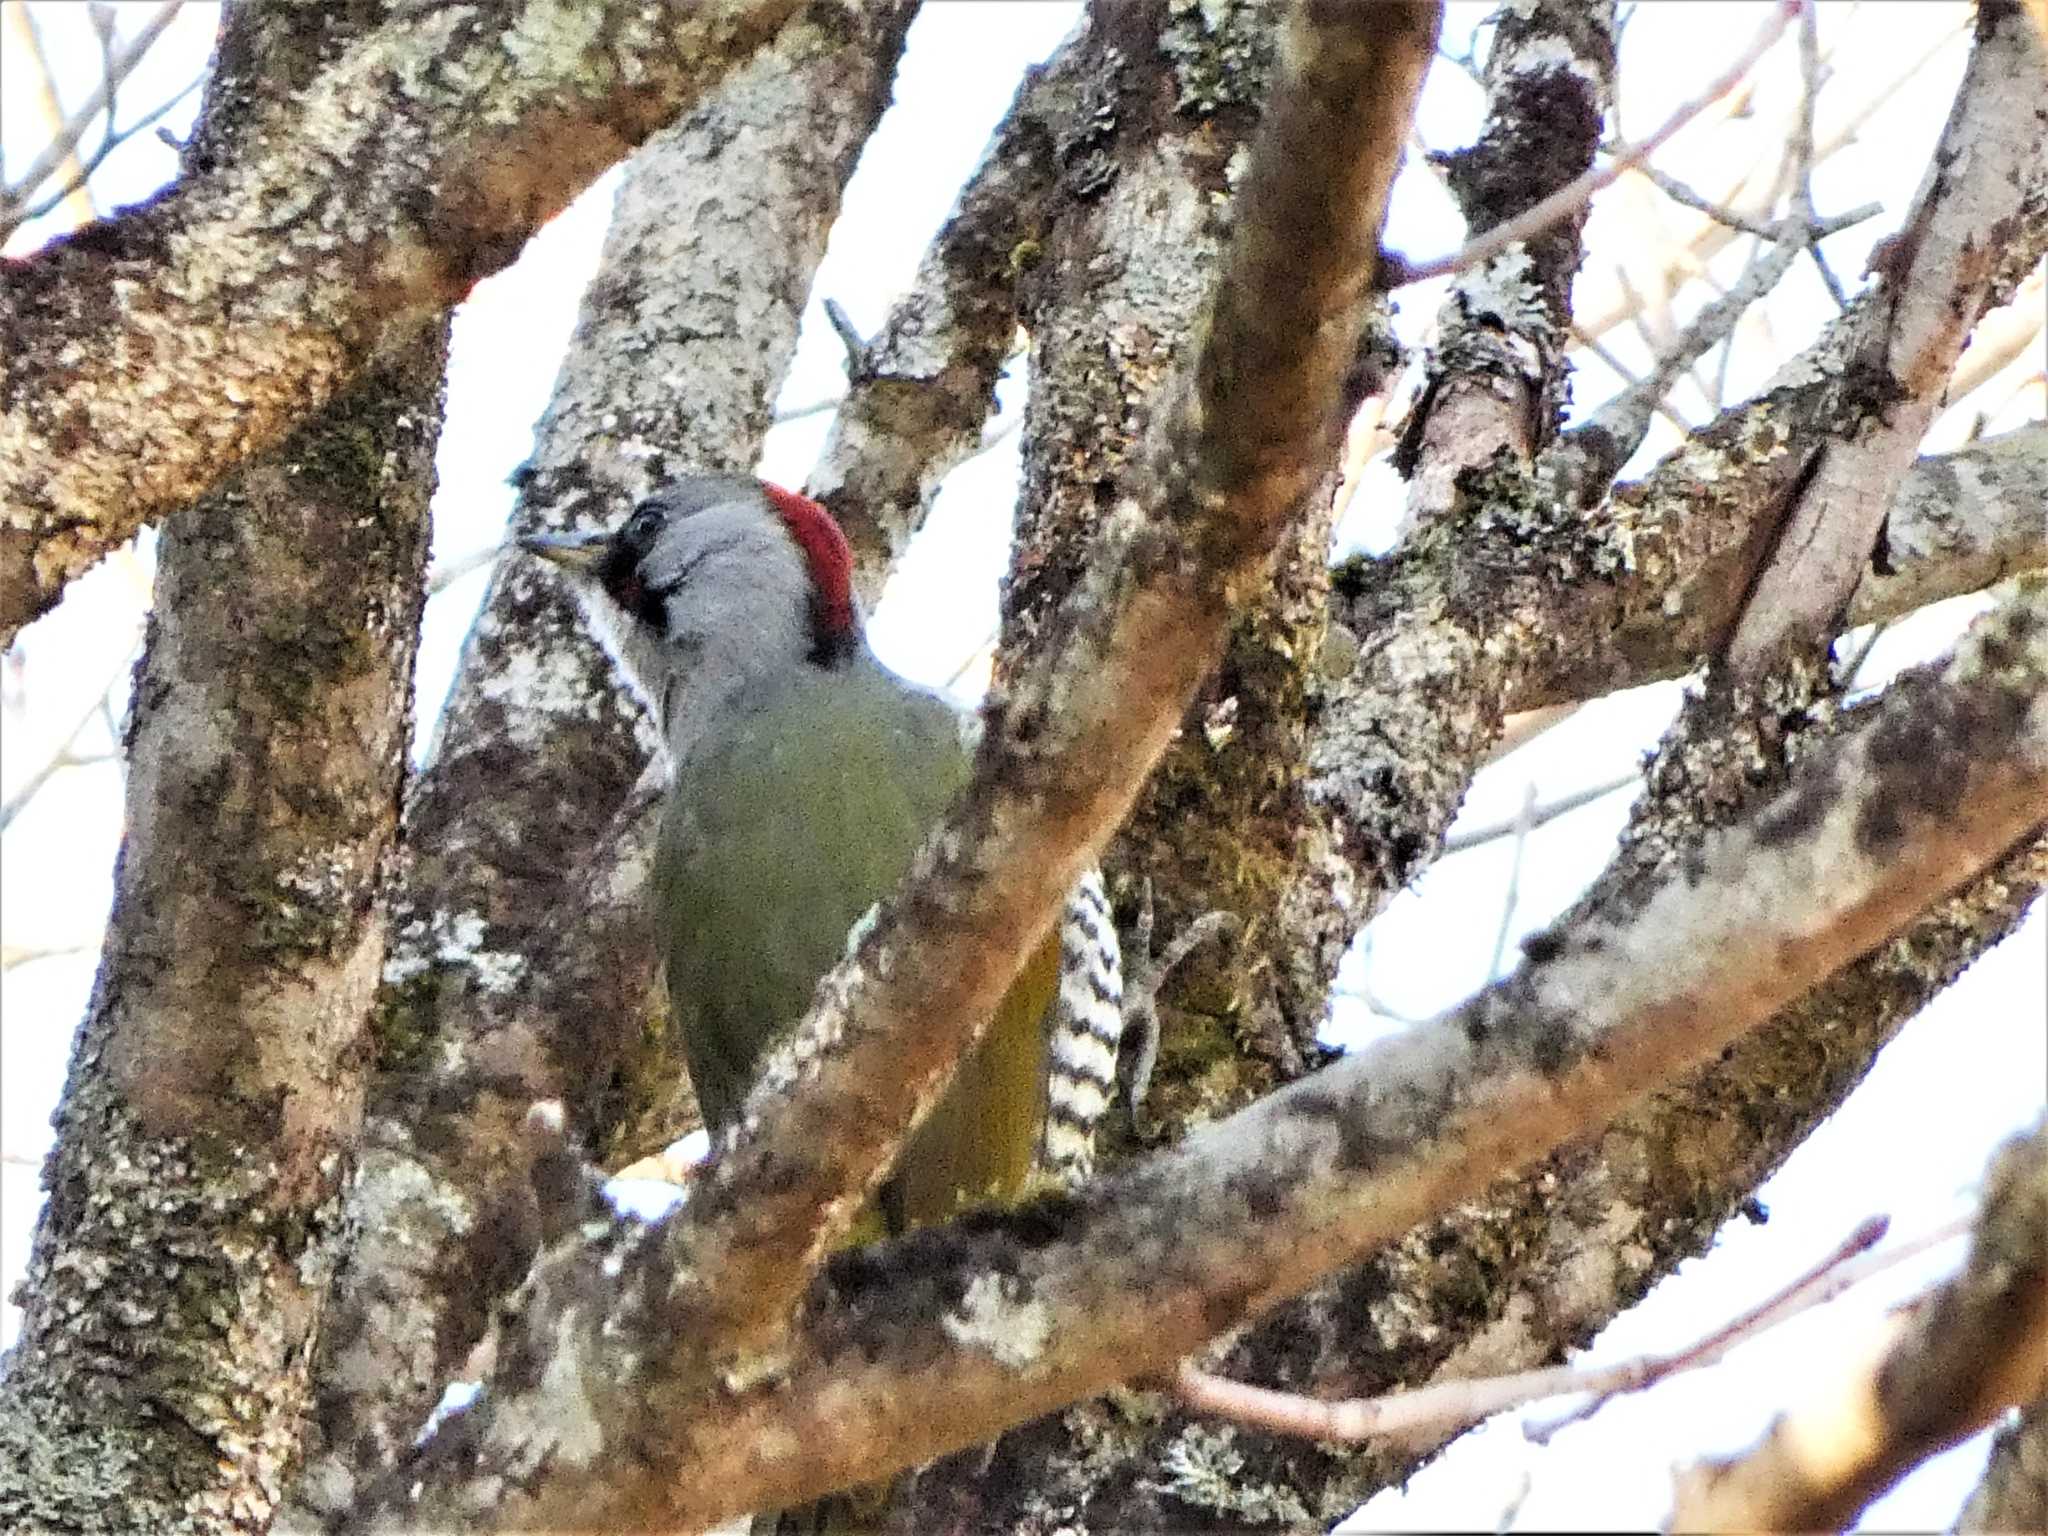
{"points": [[1145, 973]]}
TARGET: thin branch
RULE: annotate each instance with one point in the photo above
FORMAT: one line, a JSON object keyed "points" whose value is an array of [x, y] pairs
{"points": [[1454, 1405], [65, 144], [1540, 815], [1720, 213], [446, 573], [1599, 314], [1802, 150], [63, 757], [1821, 1286], [1568, 198], [113, 140], [1962, 1355], [406, 200], [1938, 280], [12, 955], [1615, 430], [849, 338], [1511, 897], [2001, 336]]}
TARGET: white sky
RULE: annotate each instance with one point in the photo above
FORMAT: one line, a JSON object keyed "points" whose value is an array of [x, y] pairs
{"points": [[1963, 1076]]}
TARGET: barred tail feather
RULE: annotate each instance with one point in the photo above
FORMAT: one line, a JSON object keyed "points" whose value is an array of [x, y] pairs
{"points": [[1088, 1023]]}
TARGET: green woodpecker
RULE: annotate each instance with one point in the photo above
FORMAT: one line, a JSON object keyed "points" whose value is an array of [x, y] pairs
{"points": [[803, 776]]}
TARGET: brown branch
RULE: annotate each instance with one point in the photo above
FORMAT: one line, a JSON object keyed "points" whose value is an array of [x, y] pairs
{"points": [[1941, 274], [1453, 1405], [1949, 1364], [936, 1341], [1233, 451], [769, 1206], [149, 354], [1960, 522]]}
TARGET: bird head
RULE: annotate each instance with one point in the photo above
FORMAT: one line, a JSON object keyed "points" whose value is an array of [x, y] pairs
{"points": [[714, 584]]}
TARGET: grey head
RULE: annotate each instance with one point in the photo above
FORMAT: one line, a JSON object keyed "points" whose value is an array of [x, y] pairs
{"points": [[716, 587]]}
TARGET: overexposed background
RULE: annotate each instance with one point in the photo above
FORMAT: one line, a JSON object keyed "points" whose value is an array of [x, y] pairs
{"points": [[1913, 1140]]}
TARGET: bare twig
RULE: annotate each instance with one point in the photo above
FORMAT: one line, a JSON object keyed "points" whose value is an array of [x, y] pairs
{"points": [[113, 140], [12, 955], [63, 757], [849, 338], [1540, 815], [1453, 1405], [447, 572], [64, 144], [1622, 421], [1542, 215], [1802, 150], [1598, 314], [1963, 1354], [22, 21], [1511, 897], [1851, 665], [1720, 213], [1817, 1288]]}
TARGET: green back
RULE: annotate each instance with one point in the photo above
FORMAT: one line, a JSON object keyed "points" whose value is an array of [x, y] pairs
{"points": [[822, 795]]}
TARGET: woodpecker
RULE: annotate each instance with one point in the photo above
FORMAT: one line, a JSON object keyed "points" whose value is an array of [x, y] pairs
{"points": [[803, 774]]}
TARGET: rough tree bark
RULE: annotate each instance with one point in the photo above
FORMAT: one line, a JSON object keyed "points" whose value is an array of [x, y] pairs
{"points": [[491, 1002], [1300, 793]]}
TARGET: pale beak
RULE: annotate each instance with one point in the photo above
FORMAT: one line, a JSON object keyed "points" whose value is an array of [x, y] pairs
{"points": [[579, 552]]}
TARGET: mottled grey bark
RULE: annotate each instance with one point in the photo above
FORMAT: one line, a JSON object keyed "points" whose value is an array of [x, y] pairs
{"points": [[215, 1095], [1520, 598], [1497, 377], [493, 1000], [211, 1115], [150, 353], [1067, 745], [1151, 159]]}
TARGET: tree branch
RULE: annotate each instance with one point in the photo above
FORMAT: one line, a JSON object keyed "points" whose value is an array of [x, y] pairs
{"points": [[528, 809], [1496, 377], [1953, 1361], [941, 1339], [1234, 451], [1568, 199], [1067, 748], [149, 354], [927, 382], [1941, 273], [217, 1087], [1447, 1406]]}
